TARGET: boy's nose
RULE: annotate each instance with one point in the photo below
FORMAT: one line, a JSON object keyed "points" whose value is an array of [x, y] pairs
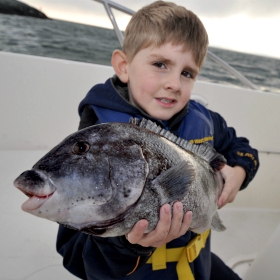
{"points": [[173, 82]]}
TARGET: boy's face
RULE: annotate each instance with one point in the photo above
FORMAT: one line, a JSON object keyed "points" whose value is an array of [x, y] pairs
{"points": [[160, 80]]}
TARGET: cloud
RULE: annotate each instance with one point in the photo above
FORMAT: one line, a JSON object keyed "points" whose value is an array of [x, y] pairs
{"points": [[219, 8], [240, 33], [225, 8], [205, 8]]}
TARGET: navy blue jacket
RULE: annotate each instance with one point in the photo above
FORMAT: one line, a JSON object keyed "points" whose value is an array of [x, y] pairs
{"points": [[91, 257]]}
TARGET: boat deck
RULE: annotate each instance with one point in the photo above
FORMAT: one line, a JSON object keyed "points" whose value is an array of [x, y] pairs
{"points": [[247, 232]]}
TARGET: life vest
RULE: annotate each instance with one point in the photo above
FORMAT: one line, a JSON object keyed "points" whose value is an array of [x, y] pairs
{"points": [[201, 131], [196, 127]]}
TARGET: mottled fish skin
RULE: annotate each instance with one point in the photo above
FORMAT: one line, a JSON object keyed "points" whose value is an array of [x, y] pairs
{"points": [[101, 180]]}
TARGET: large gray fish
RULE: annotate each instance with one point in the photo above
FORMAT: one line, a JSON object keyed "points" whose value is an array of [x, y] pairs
{"points": [[101, 180]]}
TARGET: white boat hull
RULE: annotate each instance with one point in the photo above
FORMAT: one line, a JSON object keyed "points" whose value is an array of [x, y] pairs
{"points": [[39, 100]]}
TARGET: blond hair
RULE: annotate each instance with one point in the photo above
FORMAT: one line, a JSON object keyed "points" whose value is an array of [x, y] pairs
{"points": [[164, 22]]}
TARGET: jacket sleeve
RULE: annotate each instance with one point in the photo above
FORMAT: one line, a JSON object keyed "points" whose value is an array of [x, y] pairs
{"points": [[236, 150], [98, 258]]}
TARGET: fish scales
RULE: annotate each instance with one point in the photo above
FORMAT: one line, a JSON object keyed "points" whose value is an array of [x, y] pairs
{"points": [[101, 180]]}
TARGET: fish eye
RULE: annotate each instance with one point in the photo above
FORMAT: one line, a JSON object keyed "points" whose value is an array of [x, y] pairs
{"points": [[80, 148]]}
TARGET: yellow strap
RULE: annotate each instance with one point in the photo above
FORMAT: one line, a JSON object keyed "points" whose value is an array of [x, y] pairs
{"points": [[159, 258], [195, 245], [182, 255], [183, 268]]}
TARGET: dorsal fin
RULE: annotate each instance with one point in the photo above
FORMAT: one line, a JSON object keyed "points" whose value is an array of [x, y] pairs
{"points": [[204, 150]]}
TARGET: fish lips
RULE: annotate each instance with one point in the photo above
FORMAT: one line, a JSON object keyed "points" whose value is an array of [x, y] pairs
{"points": [[37, 186]]}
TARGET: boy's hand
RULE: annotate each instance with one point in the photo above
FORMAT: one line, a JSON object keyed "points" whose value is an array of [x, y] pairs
{"points": [[234, 177], [166, 230]]}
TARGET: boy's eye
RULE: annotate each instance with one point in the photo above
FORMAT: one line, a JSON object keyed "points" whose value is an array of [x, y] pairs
{"points": [[187, 74], [159, 65]]}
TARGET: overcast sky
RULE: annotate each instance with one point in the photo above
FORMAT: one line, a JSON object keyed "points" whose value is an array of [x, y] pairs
{"points": [[250, 26]]}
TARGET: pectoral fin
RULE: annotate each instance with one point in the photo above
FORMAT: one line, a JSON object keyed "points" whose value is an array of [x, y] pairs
{"points": [[173, 184]]}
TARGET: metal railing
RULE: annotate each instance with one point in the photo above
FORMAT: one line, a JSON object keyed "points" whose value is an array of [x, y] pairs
{"points": [[110, 4]]}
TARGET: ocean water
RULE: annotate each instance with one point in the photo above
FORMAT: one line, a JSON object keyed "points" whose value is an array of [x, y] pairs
{"points": [[67, 40]]}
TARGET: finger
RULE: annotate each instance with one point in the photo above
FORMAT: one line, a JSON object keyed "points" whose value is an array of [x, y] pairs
{"points": [[164, 222], [223, 198], [156, 237], [187, 219], [137, 232], [177, 219], [161, 231]]}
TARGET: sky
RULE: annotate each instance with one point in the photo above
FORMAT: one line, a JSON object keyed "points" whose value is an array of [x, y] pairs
{"points": [[250, 26]]}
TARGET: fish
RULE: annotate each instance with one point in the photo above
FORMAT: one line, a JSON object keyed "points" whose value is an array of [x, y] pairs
{"points": [[104, 178]]}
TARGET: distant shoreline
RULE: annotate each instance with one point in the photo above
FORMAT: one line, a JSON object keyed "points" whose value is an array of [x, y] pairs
{"points": [[14, 7]]}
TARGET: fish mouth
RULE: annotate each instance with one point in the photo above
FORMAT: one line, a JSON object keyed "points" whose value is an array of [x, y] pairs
{"points": [[37, 186], [34, 202], [31, 194]]}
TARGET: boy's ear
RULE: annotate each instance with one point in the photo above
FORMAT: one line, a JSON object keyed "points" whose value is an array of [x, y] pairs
{"points": [[119, 63]]}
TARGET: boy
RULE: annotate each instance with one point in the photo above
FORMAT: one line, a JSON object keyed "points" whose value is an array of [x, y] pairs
{"points": [[163, 51]]}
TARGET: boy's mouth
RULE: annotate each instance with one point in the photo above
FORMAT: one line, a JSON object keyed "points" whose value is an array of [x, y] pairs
{"points": [[166, 102]]}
